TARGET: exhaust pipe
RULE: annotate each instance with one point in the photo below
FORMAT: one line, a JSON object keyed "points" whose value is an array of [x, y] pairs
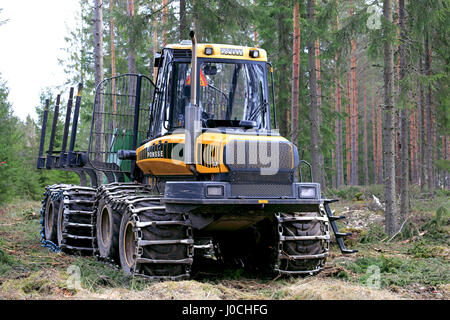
{"points": [[192, 122]]}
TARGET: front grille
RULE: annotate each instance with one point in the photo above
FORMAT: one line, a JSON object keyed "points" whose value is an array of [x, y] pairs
{"points": [[261, 190], [244, 155]]}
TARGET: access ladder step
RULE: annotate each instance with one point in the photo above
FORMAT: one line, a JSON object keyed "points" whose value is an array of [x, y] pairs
{"points": [[348, 251], [336, 218], [342, 234]]}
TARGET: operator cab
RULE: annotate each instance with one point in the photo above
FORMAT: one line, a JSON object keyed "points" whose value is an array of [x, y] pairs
{"points": [[232, 88]]}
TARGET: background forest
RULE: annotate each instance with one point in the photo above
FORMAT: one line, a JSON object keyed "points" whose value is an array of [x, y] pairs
{"points": [[361, 86]]}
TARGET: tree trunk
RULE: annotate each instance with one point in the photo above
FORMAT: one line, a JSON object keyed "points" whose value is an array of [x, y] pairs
{"points": [[295, 75], [314, 112], [389, 141], [366, 155], [348, 129], [429, 124], [421, 111], [155, 44], [379, 143], [447, 157], [374, 141], [283, 82], [404, 118], [113, 58], [98, 77], [319, 107], [353, 115], [131, 40], [183, 25], [338, 128], [164, 22]]}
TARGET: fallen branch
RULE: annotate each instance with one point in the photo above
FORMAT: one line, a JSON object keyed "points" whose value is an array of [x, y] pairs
{"points": [[398, 231]]}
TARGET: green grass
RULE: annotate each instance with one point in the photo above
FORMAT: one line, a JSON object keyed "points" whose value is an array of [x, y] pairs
{"points": [[400, 272]]}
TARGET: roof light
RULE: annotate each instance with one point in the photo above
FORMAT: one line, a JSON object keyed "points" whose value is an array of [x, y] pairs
{"points": [[254, 54], [209, 51]]}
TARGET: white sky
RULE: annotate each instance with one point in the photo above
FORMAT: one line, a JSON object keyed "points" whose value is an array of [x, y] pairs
{"points": [[30, 45]]}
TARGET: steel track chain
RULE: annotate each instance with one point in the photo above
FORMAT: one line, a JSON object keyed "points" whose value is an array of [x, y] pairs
{"points": [[79, 205], [285, 218]]}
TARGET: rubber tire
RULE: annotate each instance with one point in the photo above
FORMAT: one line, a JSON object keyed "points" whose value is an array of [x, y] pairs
{"points": [[50, 227], [304, 247], [110, 248]]}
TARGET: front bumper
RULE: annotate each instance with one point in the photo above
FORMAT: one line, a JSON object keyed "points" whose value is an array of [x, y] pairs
{"points": [[201, 192]]}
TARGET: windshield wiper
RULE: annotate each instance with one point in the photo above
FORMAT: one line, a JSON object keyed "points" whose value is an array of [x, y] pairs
{"points": [[261, 109]]}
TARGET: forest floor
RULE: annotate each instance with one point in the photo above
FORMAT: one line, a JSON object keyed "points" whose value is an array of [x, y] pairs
{"points": [[413, 265]]}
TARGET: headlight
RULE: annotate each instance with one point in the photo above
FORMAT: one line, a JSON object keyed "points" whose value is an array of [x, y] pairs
{"points": [[214, 191], [307, 192]]}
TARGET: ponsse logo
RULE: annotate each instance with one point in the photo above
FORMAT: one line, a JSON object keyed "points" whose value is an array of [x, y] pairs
{"points": [[231, 52]]}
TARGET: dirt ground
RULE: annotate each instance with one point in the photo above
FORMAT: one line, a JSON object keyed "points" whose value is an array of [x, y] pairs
{"points": [[413, 265]]}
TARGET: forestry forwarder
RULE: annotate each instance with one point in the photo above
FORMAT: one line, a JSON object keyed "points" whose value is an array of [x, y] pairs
{"points": [[187, 167]]}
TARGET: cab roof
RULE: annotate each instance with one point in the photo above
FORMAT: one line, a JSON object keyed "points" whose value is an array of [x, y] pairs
{"points": [[221, 51]]}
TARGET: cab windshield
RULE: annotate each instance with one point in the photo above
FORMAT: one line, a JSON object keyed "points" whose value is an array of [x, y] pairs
{"points": [[229, 94]]}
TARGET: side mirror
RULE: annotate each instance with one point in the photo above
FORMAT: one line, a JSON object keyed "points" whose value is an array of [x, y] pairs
{"points": [[158, 61]]}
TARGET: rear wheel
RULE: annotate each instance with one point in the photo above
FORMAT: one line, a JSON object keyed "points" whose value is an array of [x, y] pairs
{"points": [[50, 219]]}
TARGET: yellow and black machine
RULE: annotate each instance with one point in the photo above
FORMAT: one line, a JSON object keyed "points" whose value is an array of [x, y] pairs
{"points": [[186, 167]]}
